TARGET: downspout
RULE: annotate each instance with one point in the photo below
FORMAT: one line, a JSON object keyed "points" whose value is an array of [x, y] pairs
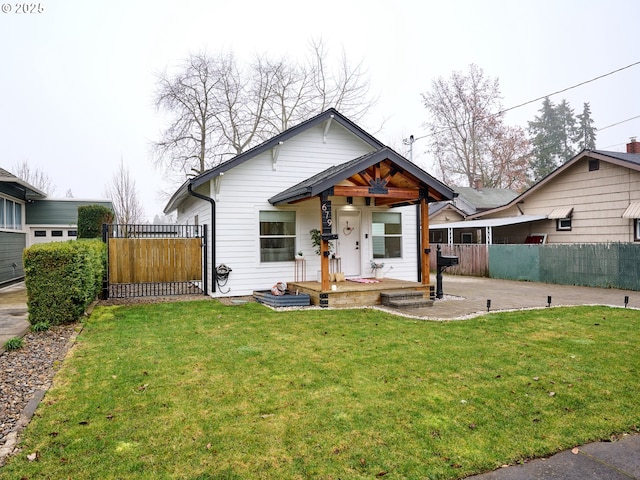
{"points": [[213, 239]]}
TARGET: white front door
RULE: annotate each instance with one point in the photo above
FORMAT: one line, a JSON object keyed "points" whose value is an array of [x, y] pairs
{"points": [[349, 243]]}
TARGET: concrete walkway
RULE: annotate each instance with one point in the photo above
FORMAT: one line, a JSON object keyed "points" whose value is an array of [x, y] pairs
{"points": [[466, 297], [13, 313]]}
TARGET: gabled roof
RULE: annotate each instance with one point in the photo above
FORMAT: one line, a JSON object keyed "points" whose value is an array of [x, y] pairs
{"points": [[628, 160], [22, 188], [437, 207], [485, 198], [328, 115], [354, 170]]}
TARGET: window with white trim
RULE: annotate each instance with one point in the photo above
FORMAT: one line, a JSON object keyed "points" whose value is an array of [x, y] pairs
{"points": [[10, 214], [277, 236], [563, 224], [386, 234]]}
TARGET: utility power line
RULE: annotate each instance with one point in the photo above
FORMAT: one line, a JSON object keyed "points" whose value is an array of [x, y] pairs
{"points": [[599, 77]]}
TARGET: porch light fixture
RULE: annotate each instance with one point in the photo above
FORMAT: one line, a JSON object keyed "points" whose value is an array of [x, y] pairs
{"points": [[349, 200], [548, 300], [488, 304]]}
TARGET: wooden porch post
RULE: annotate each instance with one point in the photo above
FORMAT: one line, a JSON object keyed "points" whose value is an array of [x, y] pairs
{"points": [[324, 264], [424, 241], [325, 229]]}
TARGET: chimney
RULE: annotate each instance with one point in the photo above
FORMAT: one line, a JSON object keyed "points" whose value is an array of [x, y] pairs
{"points": [[633, 146]]}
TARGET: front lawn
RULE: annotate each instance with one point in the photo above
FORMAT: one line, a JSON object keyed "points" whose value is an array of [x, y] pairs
{"points": [[198, 390]]}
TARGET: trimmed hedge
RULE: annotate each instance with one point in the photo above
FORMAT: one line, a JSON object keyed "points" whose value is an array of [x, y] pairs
{"points": [[90, 220], [62, 279]]}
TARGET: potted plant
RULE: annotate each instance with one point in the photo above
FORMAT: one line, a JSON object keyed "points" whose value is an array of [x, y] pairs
{"points": [[376, 268], [316, 238], [299, 255]]}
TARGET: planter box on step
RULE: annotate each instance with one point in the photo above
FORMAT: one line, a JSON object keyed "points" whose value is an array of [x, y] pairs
{"points": [[286, 300]]}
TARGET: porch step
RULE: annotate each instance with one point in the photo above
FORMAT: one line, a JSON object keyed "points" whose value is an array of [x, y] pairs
{"points": [[405, 299], [410, 303]]}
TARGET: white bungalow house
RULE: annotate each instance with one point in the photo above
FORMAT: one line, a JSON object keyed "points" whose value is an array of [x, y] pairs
{"points": [[369, 202], [593, 198]]}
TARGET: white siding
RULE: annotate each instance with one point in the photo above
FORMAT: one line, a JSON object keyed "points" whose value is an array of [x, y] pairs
{"points": [[245, 190]]}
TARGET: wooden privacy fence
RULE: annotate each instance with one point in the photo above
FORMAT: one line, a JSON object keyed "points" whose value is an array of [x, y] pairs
{"points": [[473, 259], [147, 260]]}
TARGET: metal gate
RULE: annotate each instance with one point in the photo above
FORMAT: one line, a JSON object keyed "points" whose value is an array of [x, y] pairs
{"points": [[155, 260]]}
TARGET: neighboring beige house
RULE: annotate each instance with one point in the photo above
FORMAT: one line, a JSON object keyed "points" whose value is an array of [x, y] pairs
{"points": [[593, 198]]}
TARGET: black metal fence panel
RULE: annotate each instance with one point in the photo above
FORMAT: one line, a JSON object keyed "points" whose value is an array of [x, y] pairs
{"points": [[155, 260]]}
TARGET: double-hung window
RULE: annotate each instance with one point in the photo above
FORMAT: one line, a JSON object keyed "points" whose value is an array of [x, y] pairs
{"points": [[277, 236], [386, 230], [10, 214]]}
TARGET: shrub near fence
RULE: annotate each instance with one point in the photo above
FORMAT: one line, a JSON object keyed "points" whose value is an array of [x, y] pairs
{"points": [[608, 265], [62, 279]]}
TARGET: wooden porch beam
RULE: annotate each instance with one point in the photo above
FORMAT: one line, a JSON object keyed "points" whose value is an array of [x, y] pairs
{"points": [[424, 241], [392, 192]]}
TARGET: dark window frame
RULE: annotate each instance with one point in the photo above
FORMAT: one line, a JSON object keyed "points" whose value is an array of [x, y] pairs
{"points": [[563, 224]]}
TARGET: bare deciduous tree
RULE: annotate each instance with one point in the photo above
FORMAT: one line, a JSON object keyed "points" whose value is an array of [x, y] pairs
{"points": [[35, 177], [469, 140], [219, 107], [124, 196]]}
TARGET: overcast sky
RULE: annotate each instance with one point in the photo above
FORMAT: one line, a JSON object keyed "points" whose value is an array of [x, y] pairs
{"points": [[77, 80]]}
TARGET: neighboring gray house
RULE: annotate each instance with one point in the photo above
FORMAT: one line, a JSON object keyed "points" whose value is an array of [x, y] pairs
{"points": [[14, 195], [27, 216], [469, 201], [55, 219]]}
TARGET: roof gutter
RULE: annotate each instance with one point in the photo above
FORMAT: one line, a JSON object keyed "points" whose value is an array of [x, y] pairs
{"points": [[213, 239]]}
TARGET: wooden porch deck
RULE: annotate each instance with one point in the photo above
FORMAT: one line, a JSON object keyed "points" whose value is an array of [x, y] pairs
{"points": [[353, 294]]}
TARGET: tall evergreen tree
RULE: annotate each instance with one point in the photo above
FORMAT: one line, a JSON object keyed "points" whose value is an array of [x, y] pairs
{"points": [[545, 139], [557, 135], [567, 130], [586, 138]]}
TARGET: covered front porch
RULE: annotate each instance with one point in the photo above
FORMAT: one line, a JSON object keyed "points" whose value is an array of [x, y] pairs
{"points": [[377, 180], [349, 294]]}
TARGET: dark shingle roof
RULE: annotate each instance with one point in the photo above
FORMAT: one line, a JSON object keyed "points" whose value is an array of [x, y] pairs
{"points": [[320, 182], [485, 198], [331, 113]]}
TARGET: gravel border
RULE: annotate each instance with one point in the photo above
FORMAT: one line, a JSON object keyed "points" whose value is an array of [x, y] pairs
{"points": [[25, 375]]}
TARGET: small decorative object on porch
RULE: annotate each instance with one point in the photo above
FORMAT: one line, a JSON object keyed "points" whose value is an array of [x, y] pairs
{"points": [[279, 288], [377, 269], [299, 255]]}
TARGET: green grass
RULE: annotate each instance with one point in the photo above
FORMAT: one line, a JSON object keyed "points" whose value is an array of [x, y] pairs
{"points": [[200, 390], [14, 343]]}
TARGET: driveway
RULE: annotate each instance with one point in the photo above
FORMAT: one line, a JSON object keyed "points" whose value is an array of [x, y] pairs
{"points": [[467, 296], [13, 312]]}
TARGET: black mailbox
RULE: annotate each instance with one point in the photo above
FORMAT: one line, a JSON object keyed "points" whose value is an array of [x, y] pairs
{"points": [[447, 260], [443, 261]]}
